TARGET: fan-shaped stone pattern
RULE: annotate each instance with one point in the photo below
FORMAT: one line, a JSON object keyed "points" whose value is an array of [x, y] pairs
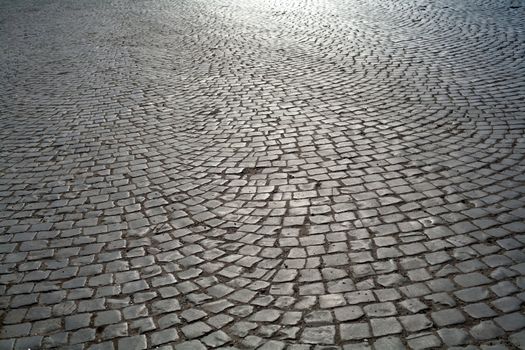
{"points": [[262, 174]]}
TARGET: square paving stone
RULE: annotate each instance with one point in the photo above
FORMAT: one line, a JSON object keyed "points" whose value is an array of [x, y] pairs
{"points": [[162, 337], [454, 336], [216, 339], [348, 313], [414, 323], [389, 343], [318, 335], [486, 330], [511, 322], [268, 315], [428, 341], [447, 317], [354, 331], [195, 330], [380, 309], [190, 345], [518, 339], [385, 326], [471, 279], [28, 343], [479, 310]]}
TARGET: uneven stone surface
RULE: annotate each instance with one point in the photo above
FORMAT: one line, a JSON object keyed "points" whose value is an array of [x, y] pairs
{"points": [[341, 174]]}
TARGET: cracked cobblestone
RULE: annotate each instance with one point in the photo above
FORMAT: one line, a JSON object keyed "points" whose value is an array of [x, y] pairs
{"points": [[338, 174]]}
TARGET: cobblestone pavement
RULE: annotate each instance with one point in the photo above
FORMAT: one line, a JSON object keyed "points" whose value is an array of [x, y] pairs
{"points": [[262, 174]]}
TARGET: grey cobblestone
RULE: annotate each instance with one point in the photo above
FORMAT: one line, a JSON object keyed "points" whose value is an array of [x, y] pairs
{"points": [[337, 174]]}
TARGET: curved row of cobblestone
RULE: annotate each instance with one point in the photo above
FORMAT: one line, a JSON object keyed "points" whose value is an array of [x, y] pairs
{"points": [[262, 174]]}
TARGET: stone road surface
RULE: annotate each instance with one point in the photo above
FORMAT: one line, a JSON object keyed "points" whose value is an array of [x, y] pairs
{"points": [[262, 174]]}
